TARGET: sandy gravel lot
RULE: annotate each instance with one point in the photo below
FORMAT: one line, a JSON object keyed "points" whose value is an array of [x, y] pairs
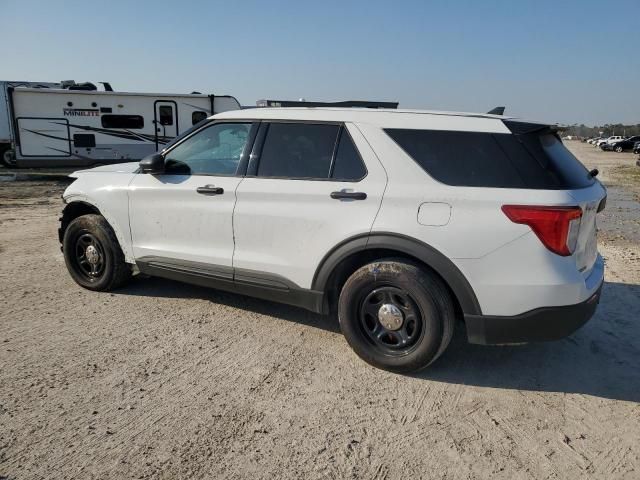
{"points": [[164, 380]]}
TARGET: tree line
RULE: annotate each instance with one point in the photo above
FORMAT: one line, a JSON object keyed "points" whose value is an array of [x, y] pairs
{"points": [[605, 130]]}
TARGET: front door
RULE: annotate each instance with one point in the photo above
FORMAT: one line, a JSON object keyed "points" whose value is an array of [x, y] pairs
{"points": [[314, 186], [165, 119], [184, 215]]}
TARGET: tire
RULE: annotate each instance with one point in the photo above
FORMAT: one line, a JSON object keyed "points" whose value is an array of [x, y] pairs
{"points": [[93, 255], [396, 292], [8, 158], [619, 149]]}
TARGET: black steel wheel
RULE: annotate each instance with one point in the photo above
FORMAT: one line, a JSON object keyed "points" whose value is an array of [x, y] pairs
{"points": [[93, 255], [391, 319], [396, 315], [89, 259]]}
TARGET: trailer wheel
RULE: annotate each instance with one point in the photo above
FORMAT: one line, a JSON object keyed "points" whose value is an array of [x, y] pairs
{"points": [[9, 158]]}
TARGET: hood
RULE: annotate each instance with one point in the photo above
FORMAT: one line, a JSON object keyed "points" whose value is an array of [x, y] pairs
{"points": [[129, 167]]}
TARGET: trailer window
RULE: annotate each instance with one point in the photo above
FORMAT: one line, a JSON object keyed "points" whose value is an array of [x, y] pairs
{"points": [[122, 121], [197, 117], [166, 115], [84, 140]]}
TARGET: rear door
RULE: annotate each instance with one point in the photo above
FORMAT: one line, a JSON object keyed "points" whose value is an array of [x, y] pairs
{"points": [[309, 187]]}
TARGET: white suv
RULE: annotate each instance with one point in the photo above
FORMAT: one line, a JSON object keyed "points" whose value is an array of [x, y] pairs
{"points": [[401, 221]]}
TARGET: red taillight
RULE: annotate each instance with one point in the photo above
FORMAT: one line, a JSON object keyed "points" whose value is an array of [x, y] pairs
{"points": [[556, 227]]}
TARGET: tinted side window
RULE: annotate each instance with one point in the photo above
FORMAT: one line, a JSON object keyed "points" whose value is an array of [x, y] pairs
{"points": [[567, 168], [215, 150], [348, 164], [122, 121], [297, 150], [534, 159], [544, 162], [471, 159]]}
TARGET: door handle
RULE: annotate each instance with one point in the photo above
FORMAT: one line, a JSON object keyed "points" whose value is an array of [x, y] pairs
{"points": [[210, 190], [349, 195]]}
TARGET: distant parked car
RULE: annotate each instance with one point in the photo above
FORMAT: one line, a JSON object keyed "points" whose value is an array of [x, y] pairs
{"points": [[611, 139], [636, 147], [622, 145]]}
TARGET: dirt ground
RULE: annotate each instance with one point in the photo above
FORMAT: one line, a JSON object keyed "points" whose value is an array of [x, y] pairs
{"points": [[164, 380]]}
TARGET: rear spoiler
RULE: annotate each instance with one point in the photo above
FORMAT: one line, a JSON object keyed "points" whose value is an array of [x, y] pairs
{"points": [[522, 128], [496, 111]]}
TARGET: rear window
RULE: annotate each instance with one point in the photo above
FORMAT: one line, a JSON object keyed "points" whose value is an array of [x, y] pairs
{"points": [[534, 159]]}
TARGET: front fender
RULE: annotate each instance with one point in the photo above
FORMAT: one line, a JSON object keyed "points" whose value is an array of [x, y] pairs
{"points": [[115, 213]]}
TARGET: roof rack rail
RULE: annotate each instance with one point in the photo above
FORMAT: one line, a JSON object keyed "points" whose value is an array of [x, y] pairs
{"points": [[347, 104]]}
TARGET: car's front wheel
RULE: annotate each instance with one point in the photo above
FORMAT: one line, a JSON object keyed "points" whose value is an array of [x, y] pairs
{"points": [[93, 255], [619, 149], [396, 315]]}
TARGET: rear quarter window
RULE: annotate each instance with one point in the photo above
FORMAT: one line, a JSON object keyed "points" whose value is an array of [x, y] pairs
{"points": [[470, 159], [534, 159]]}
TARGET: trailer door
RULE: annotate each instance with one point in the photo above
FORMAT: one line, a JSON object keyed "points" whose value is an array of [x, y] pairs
{"points": [[166, 121], [44, 137]]}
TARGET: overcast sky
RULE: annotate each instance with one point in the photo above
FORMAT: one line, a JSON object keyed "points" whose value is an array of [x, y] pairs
{"points": [[558, 61]]}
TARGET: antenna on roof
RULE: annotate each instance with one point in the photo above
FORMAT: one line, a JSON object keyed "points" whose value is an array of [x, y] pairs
{"points": [[496, 111]]}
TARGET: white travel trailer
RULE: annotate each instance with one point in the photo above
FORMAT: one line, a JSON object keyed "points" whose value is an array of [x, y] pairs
{"points": [[68, 127]]}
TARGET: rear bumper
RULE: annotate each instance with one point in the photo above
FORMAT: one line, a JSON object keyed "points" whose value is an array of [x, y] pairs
{"points": [[541, 324]]}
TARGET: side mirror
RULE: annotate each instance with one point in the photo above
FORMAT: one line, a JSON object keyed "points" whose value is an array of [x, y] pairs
{"points": [[153, 163]]}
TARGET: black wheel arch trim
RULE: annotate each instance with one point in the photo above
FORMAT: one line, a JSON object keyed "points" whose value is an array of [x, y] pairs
{"points": [[428, 255]]}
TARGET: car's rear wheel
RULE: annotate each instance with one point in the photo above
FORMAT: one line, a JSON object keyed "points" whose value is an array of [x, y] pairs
{"points": [[396, 315], [618, 149], [93, 255]]}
